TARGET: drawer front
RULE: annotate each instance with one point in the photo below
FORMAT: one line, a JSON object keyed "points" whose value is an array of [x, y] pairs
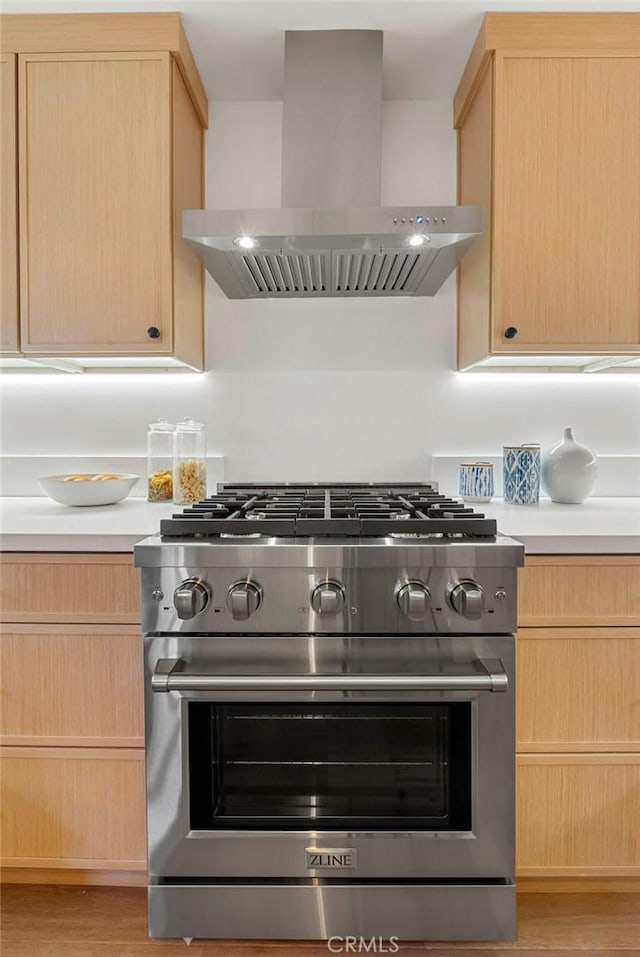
{"points": [[577, 815], [87, 687], [69, 588], [566, 590], [578, 689], [73, 807]]}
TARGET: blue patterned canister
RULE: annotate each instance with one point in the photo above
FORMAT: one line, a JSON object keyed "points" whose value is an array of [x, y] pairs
{"points": [[521, 474], [476, 481]]}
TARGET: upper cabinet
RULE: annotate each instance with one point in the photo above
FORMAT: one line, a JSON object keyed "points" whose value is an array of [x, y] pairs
{"points": [[9, 205], [110, 151], [549, 145]]}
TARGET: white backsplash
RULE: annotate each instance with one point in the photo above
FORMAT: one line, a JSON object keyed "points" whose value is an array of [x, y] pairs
{"points": [[342, 390]]}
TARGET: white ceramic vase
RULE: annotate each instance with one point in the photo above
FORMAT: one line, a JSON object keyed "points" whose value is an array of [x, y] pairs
{"points": [[569, 471]]}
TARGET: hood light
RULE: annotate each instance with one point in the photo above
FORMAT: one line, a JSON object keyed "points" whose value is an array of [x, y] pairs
{"points": [[245, 242], [417, 240]]}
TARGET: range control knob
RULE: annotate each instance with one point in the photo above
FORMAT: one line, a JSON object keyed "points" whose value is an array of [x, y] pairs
{"points": [[191, 597], [413, 599], [327, 598], [243, 598], [467, 599]]}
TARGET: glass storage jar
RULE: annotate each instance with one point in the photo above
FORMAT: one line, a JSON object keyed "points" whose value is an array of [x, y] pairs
{"points": [[189, 463], [160, 461]]}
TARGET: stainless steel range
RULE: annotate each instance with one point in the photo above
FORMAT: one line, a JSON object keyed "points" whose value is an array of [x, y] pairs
{"points": [[329, 677]]}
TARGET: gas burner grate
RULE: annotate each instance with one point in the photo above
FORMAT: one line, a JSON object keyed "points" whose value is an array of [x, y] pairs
{"points": [[329, 510]]}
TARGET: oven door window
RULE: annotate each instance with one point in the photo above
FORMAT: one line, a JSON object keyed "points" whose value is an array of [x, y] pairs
{"points": [[335, 766]]}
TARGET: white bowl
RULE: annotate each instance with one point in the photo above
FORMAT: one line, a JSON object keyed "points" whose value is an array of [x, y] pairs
{"points": [[100, 492]]}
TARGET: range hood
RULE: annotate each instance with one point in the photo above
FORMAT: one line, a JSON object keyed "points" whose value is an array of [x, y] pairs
{"points": [[331, 238]]}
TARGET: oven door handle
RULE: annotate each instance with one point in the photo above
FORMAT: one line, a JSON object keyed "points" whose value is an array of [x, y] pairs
{"points": [[489, 677]]}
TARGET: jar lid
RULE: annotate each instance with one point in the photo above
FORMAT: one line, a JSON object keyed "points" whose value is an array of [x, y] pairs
{"points": [[486, 465], [162, 425], [188, 425]]}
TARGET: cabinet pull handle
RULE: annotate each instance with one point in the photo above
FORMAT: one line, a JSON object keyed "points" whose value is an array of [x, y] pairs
{"points": [[153, 332], [511, 332]]}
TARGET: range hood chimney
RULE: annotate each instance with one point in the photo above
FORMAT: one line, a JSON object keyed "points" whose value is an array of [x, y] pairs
{"points": [[332, 119], [331, 238]]}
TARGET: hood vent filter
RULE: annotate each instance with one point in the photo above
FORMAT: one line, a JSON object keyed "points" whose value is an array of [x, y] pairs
{"points": [[380, 272]]}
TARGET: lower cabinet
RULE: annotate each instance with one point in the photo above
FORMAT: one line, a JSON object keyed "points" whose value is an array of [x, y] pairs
{"points": [[578, 815], [73, 808], [578, 717], [71, 719], [578, 689], [68, 588], [564, 591], [86, 689]]}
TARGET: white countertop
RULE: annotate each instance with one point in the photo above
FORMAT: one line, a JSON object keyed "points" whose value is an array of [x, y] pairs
{"points": [[598, 526], [35, 524]]}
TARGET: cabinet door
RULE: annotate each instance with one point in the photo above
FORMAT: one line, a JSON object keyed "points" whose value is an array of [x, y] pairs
{"points": [[95, 203], [73, 807], [8, 204], [567, 204], [69, 588], [86, 690], [578, 690], [577, 815], [564, 591]]}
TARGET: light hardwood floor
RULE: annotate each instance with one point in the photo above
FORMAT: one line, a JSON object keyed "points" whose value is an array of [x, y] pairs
{"points": [[43, 921]]}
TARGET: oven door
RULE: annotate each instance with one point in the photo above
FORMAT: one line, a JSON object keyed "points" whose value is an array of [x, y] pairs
{"points": [[330, 756]]}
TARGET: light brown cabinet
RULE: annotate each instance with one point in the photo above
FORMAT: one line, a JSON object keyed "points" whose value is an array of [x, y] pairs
{"points": [[68, 588], [578, 716], [71, 717], [548, 142], [9, 206], [86, 690], [578, 690], [579, 590], [80, 808], [578, 815], [110, 152], [95, 202]]}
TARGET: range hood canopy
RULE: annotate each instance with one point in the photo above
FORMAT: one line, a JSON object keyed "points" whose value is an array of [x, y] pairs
{"points": [[332, 238]]}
